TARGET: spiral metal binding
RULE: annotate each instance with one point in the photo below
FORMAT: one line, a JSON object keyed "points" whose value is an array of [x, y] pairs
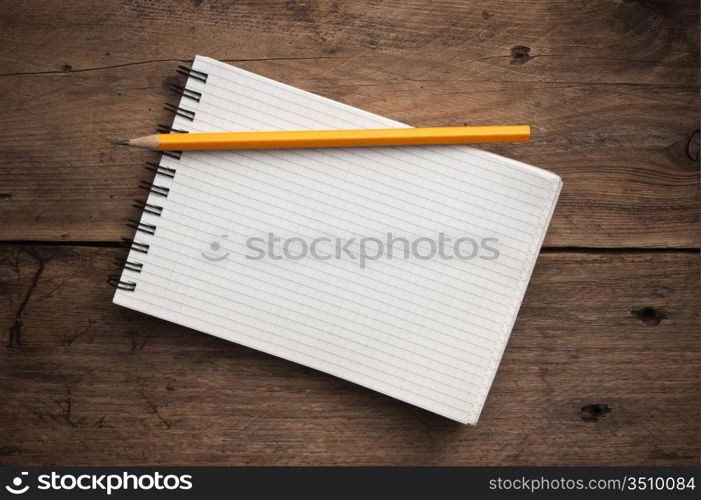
{"points": [[192, 73], [189, 93], [137, 246], [160, 169], [142, 226], [150, 186], [173, 154], [127, 264], [167, 129], [117, 280], [180, 111], [148, 207]]}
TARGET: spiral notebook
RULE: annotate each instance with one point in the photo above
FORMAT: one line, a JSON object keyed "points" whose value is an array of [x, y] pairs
{"points": [[400, 269]]}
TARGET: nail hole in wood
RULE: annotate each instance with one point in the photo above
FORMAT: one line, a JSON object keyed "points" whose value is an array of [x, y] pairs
{"points": [[649, 315], [592, 413]]}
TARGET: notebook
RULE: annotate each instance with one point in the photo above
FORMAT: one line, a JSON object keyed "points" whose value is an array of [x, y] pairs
{"points": [[400, 269]]}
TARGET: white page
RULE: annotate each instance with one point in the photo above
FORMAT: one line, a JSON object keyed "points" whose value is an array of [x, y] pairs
{"points": [[429, 332]]}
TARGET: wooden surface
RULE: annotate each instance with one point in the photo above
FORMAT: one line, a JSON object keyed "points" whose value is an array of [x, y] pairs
{"points": [[603, 363]]}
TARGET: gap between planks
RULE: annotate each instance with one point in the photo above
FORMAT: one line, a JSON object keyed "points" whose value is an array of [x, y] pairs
{"points": [[545, 249]]}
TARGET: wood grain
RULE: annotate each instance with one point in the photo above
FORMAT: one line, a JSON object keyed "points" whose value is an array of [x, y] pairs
{"points": [[611, 89], [602, 368]]}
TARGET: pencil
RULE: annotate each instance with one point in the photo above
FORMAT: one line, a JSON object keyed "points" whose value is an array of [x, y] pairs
{"points": [[331, 138]]}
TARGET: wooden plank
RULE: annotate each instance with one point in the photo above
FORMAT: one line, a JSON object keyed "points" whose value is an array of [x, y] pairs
{"points": [[581, 40], [602, 368], [611, 89]]}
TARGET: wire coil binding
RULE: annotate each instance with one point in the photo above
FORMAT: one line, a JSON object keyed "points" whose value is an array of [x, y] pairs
{"points": [[192, 73], [180, 111], [173, 154], [127, 264], [185, 92], [142, 226], [153, 188], [135, 245], [116, 281], [167, 129], [119, 281], [160, 169], [148, 207]]}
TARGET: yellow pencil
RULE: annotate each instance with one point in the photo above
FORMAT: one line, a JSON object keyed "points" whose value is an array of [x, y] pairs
{"points": [[331, 138]]}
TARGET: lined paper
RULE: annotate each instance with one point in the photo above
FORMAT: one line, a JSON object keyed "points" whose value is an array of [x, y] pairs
{"points": [[427, 331]]}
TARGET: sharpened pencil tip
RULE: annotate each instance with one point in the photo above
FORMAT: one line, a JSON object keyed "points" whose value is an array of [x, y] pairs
{"points": [[122, 142]]}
